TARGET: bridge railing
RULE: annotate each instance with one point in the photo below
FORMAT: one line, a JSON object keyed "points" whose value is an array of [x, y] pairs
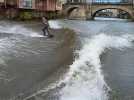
{"points": [[112, 1], [100, 2]]}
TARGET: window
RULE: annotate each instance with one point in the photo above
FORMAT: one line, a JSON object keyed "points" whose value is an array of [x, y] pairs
{"points": [[29, 4]]}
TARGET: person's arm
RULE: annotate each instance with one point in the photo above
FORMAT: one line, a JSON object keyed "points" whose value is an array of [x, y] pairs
{"points": [[44, 21], [48, 24]]}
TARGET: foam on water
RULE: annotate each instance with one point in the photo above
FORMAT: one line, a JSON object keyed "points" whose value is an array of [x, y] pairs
{"points": [[7, 45], [18, 29], [54, 24], [110, 19], [85, 80]]}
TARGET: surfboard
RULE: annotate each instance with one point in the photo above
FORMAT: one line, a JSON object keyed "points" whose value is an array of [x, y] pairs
{"points": [[49, 36]]}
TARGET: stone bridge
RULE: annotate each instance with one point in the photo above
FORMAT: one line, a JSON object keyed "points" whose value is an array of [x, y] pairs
{"points": [[88, 11]]}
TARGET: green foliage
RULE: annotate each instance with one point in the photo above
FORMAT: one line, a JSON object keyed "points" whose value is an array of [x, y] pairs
{"points": [[26, 15]]}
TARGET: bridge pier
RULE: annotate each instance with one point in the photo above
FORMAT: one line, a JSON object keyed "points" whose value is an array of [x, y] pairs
{"points": [[89, 15], [74, 12], [78, 14], [132, 17]]}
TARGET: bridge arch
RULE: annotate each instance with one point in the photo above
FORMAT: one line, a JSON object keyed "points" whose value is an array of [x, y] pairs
{"points": [[97, 9], [69, 10]]}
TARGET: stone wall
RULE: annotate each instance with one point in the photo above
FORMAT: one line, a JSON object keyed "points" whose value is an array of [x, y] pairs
{"points": [[24, 14]]}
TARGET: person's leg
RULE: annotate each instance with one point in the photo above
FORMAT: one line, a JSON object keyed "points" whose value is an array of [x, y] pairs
{"points": [[47, 32], [44, 31]]}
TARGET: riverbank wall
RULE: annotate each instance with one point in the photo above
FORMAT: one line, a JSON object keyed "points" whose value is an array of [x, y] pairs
{"points": [[27, 14]]}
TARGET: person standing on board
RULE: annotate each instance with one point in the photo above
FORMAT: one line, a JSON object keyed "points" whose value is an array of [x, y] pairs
{"points": [[46, 27]]}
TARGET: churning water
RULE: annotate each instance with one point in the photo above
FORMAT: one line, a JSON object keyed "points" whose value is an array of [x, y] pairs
{"points": [[18, 29], [18, 47], [10, 39], [27, 58], [85, 80]]}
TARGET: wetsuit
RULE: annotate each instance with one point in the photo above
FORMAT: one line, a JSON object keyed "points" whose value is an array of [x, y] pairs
{"points": [[46, 27]]}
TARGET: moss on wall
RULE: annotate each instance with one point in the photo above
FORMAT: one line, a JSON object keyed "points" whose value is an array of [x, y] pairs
{"points": [[25, 15]]}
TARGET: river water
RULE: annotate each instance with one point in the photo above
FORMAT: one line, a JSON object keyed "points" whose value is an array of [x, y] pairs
{"points": [[27, 58], [102, 68]]}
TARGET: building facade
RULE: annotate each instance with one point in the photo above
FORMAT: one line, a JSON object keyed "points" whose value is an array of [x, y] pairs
{"points": [[12, 7], [42, 5]]}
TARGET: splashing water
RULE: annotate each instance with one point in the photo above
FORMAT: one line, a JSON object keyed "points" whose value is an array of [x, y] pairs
{"points": [[18, 29], [54, 24], [7, 44], [85, 81]]}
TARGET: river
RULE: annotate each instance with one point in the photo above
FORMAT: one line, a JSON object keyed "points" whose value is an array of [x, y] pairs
{"points": [[102, 68]]}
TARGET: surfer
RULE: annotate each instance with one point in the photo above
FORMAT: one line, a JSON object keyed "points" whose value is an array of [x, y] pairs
{"points": [[46, 27]]}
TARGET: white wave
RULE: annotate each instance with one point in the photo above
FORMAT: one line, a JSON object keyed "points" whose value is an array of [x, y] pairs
{"points": [[85, 80], [54, 24], [110, 19], [19, 29]]}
